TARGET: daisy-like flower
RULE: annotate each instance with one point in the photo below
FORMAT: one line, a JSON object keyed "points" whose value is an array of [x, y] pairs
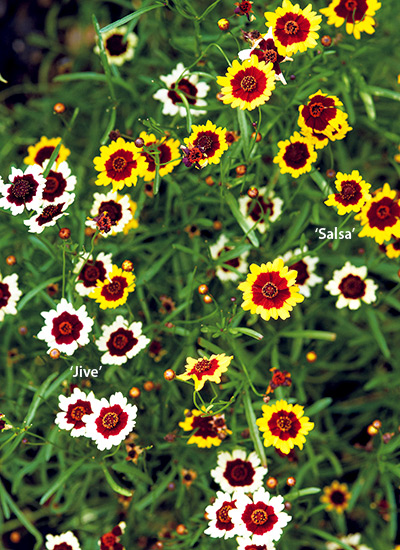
{"points": [[189, 86], [294, 29], [238, 472], [306, 277], [66, 328], [188, 477], [260, 517], [239, 263], [121, 341], [90, 271], [264, 209], [65, 541], [284, 426], [110, 540], [380, 216], [336, 496], [220, 524], [111, 421], [270, 290], [58, 182], [42, 151], [279, 378], [210, 430], [296, 155], [244, 8], [393, 249], [247, 85], [120, 164], [357, 14], [167, 153], [73, 408], [321, 114], [353, 193], [352, 287], [114, 290], [201, 370], [320, 140], [353, 540], [117, 208], [246, 544], [24, 191], [210, 140], [9, 295], [48, 215], [119, 48], [134, 223]]}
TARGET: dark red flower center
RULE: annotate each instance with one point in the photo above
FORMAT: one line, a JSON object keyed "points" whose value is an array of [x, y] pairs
{"points": [[49, 212], [110, 420], [55, 186], [316, 109], [351, 10], [270, 55], [383, 211], [21, 188], [269, 290], [302, 272], [245, 7], [51, 184], [187, 88], [239, 473], [115, 45], [4, 294], [114, 287], [195, 155], [43, 154], [248, 83], [113, 210], [352, 286], [296, 155], [78, 412], [348, 190], [259, 516], [338, 497], [65, 328], [260, 208], [291, 27], [121, 341], [284, 423], [119, 163], [350, 5], [223, 514], [203, 365], [205, 143], [92, 273], [62, 546]]}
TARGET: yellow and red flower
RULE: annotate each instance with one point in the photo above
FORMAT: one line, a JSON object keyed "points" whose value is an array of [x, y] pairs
{"points": [[166, 151], [380, 216], [321, 114], [336, 496], [42, 151], [210, 430], [114, 290], [353, 193], [357, 14], [296, 155], [201, 370], [209, 140], [393, 249]]}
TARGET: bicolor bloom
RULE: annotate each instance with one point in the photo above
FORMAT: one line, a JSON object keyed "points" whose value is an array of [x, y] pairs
{"points": [[296, 155], [73, 408], [119, 164], [219, 251], [117, 208], [336, 496], [238, 472], [246, 544], [111, 422], [65, 541], [353, 193], [121, 341], [260, 517], [66, 328], [59, 182], [392, 250], [48, 215], [279, 378], [165, 151], [201, 370], [284, 426], [111, 540], [294, 29], [270, 290], [262, 210], [357, 14], [114, 290], [90, 271], [354, 541], [9, 295], [306, 277], [220, 524], [189, 86], [209, 430], [118, 45], [321, 140], [25, 190], [321, 114], [209, 140], [42, 151], [247, 85], [352, 286], [380, 216], [244, 8]]}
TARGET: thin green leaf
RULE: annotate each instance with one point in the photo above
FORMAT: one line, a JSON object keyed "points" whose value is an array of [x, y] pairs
{"points": [[383, 92], [318, 406], [294, 495], [114, 485], [247, 331], [131, 16], [244, 132], [377, 333], [326, 536], [62, 479], [254, 431], [244, 224], [312, 334]]}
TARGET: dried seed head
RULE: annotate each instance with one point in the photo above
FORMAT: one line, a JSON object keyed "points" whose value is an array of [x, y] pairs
{"points": [[23, 330], [326, 41], [372, 430], [258, 138], [210, 181], [330, 173], [291, 481], [114, 135], [217, 225], [139, 142], [181, 529], [377, 424], [148, 385], [272, 482], [241, 170]]}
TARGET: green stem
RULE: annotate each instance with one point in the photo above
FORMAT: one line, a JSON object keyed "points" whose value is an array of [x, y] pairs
{"points": [[63, 272], [254, 432]]}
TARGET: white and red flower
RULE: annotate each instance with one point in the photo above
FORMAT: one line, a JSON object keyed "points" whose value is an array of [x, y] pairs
{"points": [[239, 263], [352, 286], [117, 207], [73, 408], [25, 190], [238, 472], [246, 544], [48, 215], [306, 277], [9, 294], [219, 514], [121, 341], [90, 271], [110, 540], [65, 541], [262, 210], [59, 182]]}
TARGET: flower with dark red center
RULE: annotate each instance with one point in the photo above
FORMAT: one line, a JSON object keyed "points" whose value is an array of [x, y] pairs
{"points": [[73, 408], [296, 155], [244, 8], [201, 370], [353, 540], [294, 29], [166, 151], [353, 193], [114, 290], [111, 421], [380, 216], [156, 350], [65, 541], [50, 214], [219, 252], [238, 472], [9, 295], [188, 477], [167, 304], [306, 277], [121, 341], [279, 378], [321, 114], [336, 496], [194, 156], [357, 14], [111, 540], [208, 139], [65, 328], [116, 207], [42, 151], [59, 181], [263, 210], [25, 190], [246, 544], [90, 271], [352, 286], [208, 429], [220, 524], [393, 249], [119, 45]]}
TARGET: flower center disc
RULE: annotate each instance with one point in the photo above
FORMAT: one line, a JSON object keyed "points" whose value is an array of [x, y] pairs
{"points": [[291, 27], [284, 423], [248, 83], [120, 341], [114, 287], [49, 211], [270, 55], [205, 143], [316, 109], [202, 365], [119, 164], [259, 517], [92, 273], [348, 191], [77, 413], [223, 514], [337, 497], [239, 472], [269, 290], [21, 188], [351, 5], [383, 212], [195, 155], [109, 539], [110, 420], [51, 184], [65, 328]]}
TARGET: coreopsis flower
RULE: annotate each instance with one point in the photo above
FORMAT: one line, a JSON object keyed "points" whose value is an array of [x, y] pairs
{"points": [[264, 48], [296, 155], [118, 45], [279, 378], [156, 350], [188, 476], [25, 190], [352, 540], [380, 216], [119, 164], [116, 207], [42, 151], [111, 421], [246, 544], [306, 277], [321, 114], [111, 540], [167, 304], [114, 290], [270, 290], [189, 86], [239, 263], [263, 210], [220, 524], [210, 430], [48, 215], [194, 156], [284, 426], [244, 8], [134, 223], [65, 541], [3, 423], [66, 328], [59, 182], [260, 517], [201, 370], [336, 496], [320, 140], [133, 450], [247, 85], [210, 140], [9, 295], [90, 271], [167, 153], [293, 28], [352, 287], [357, 14], [392, 250], [73, 408], [121, 341], [353, 193], [238, 472]]}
